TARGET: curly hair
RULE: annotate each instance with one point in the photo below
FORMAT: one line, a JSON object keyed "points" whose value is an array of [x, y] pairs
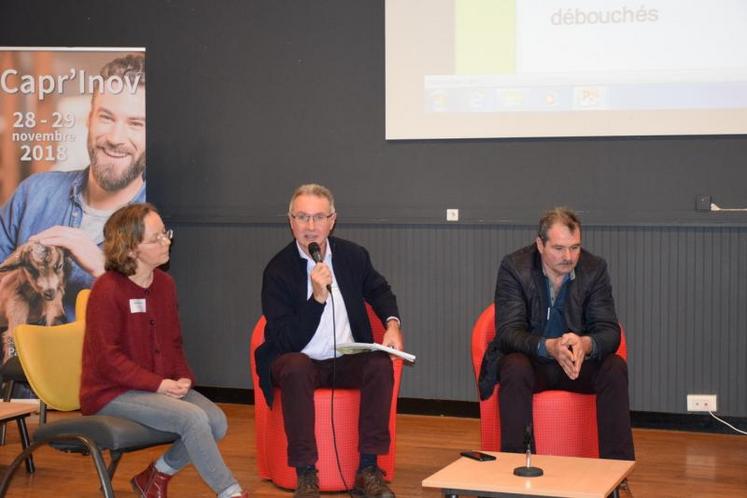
{"points": [[131, 67], [123, 232]]}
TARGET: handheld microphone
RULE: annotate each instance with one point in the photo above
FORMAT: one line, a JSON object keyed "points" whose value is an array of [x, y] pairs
{"points": [[316, 255], [316, 252], [527, 470]]}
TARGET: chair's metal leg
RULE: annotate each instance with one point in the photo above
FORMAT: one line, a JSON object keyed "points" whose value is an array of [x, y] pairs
{"points": [[7, 393], [25, 443], [9, 385], [115, 457], [42, 412], [98, 460]]}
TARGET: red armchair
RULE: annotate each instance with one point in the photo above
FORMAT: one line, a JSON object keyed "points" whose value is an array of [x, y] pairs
{"points": [[574, 412], [272, 445]]}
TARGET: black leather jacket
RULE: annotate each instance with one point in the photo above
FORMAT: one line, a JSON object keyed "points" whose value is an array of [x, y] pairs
{"points": [[521, 309]]}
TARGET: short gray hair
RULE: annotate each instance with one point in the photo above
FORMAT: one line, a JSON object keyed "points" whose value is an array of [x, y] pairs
{"points": [[312, 189]]}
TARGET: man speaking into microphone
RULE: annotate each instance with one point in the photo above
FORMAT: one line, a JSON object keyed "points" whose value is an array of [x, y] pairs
{"points": [[313, 297]]}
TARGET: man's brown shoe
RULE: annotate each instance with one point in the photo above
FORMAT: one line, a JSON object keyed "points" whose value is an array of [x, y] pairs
{"points": [[307, 485], [150, 483], [369, 483]]}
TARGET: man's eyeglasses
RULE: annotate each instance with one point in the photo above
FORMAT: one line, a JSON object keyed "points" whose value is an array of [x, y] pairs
{"points": [[164, 236], [306, 218]]}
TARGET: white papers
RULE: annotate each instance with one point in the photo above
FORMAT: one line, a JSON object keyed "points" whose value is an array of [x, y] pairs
{"points": [[364, 347]]}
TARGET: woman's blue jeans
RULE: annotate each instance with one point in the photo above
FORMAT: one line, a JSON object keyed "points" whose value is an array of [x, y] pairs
{"points": [[198, 422]]}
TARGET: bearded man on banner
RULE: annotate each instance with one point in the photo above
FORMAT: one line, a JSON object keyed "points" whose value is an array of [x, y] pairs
{"points": [[68, 209]]}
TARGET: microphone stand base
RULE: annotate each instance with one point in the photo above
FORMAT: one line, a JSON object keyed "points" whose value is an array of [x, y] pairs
{"points": [[528, 471]]}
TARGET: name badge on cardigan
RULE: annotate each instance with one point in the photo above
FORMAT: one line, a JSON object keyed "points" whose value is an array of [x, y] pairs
{"points": [[137, 305]]}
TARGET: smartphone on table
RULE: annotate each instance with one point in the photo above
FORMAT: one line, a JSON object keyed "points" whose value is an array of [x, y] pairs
{"points": [[477, 455]]}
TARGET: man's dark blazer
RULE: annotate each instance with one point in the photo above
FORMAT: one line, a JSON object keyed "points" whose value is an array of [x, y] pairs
{"points": [[292, 318], [521, 305]]}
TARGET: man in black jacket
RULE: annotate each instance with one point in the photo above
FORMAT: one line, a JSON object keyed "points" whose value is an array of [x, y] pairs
{"points": [[556, 328], [307, 304]]}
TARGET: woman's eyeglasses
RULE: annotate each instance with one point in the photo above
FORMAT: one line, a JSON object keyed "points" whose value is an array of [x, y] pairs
{"points": [[164, 236]]}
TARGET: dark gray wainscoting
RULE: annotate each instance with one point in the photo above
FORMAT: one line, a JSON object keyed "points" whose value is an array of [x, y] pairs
{"points": [[680, 293]]}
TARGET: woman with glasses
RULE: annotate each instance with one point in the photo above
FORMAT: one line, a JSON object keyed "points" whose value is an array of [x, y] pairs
{"points": [[133, 363]]}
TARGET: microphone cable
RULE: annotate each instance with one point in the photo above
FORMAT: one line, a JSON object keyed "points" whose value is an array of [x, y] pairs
{"points": [[332, 397], [316, 255]]}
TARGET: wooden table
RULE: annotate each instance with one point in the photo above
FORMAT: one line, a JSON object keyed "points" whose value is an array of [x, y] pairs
{"points": [[563, 477], [11, 410]]}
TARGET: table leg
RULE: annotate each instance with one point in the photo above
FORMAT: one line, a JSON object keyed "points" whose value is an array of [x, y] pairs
{"points": [[25, 442]]}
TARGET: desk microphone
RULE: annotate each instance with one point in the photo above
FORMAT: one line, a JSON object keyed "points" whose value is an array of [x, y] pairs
{"points": [[527, 470], [316, 255]]}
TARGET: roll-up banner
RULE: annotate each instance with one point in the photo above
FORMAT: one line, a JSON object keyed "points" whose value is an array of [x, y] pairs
{"points": [[72, 151]]}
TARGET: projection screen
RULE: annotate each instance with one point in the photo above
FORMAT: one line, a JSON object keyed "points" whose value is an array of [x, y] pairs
{"points": [[546, 68]]}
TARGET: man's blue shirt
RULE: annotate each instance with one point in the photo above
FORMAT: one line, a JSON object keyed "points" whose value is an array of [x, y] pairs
{"points": [[44, 200], [555, 324]]}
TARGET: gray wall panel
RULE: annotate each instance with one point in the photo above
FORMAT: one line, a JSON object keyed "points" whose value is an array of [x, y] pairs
{"points": [[227, 141], [679, 293]]}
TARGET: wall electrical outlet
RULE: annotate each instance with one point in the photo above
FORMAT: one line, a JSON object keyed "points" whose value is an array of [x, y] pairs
{"points": [[703, 202], [701, 403], [452, 215]]}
